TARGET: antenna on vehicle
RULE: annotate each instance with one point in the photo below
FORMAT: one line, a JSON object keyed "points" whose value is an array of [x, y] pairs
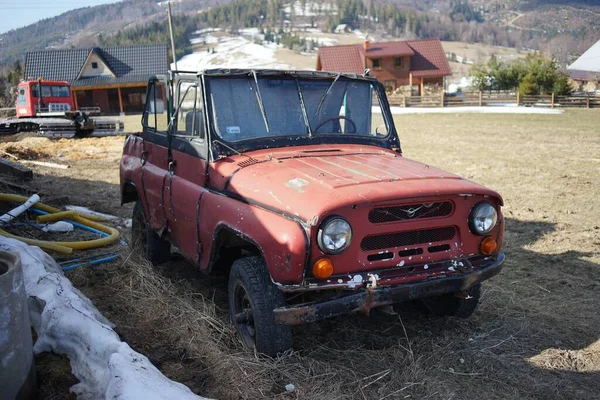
{"points": [[170, 17]]}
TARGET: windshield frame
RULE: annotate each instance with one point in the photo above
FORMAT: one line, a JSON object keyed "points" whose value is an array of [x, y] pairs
{"points": [[390, 141]]}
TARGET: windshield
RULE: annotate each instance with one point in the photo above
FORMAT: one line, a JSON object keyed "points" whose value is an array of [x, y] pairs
{"points": [[51, 91], [253, 107]]}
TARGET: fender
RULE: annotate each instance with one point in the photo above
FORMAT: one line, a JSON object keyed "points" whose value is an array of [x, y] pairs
{"points": [[283, 242]]}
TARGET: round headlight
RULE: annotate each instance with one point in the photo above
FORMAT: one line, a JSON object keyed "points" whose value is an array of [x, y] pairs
{"points": [[334, 235], [483, 218]]}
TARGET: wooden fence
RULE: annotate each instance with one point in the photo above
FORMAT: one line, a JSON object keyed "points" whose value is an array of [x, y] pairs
{"points": [[482, 99]]}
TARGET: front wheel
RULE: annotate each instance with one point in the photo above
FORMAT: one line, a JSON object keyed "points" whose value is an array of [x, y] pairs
{"points": [[453, 305], [252, 299]]}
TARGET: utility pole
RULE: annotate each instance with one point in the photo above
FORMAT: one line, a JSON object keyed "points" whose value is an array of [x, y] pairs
{"points": [[170, 16]]}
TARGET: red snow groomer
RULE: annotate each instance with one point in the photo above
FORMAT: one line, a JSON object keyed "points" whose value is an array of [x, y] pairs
{"points": [[48, 107]]}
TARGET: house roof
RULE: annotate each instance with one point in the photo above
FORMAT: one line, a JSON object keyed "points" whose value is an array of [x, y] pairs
{"points": [[588, 62], [346, 59], [387, 49], [428, 58], [130, 64]]}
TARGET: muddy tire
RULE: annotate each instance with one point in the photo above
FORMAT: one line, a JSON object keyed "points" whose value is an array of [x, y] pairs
{"points": [[450, 305], [153, 247], [252, 298]]}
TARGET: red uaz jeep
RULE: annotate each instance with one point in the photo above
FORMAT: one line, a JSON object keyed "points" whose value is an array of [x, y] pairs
{"points": [[294, 184]]}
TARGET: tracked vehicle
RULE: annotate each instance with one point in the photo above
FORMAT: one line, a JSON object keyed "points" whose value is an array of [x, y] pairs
{"points": [[48, 108]]}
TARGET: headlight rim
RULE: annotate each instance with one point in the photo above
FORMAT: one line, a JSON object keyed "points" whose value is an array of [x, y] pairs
{"points": [[322, 227], [472, 227]]}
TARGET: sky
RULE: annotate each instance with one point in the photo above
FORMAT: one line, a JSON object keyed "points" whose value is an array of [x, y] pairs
{"points": [[19, 13]]}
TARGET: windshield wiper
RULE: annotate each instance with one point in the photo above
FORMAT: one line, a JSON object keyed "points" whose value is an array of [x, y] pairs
{"points": [[326, 94], [234, 150], [304, 114], [261, 105]]}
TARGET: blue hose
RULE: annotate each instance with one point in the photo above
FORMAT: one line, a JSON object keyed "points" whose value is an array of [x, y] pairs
{"points": [[93, 262]]}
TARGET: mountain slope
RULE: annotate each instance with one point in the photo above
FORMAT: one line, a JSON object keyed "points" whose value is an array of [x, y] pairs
{"points": [[562, 27]]}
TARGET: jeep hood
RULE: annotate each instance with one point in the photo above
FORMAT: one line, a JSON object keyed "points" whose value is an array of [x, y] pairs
{"points": [[309, 186]]}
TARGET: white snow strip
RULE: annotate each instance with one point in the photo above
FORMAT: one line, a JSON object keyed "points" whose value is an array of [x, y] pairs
{"points": [[67, 323], [472, 110], [85, 210]]}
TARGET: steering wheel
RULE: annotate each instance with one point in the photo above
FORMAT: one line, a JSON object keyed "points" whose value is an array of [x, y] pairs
{"points": [[337, 118]]}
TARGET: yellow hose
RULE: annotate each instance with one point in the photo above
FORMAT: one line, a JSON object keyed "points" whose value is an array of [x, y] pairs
{"points": [[55, 215]]}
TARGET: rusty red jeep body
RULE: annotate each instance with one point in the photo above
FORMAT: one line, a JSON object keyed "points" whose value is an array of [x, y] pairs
{"points": [[287, 177]]}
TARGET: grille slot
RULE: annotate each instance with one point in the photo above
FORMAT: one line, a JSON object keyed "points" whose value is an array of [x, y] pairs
{"points": [[410, 252], [437, 249], [410, 211], [380, 257], [407, 238]]}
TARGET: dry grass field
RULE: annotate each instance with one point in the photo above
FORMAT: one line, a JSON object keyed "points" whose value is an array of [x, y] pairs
{"points": [[536, 334]]}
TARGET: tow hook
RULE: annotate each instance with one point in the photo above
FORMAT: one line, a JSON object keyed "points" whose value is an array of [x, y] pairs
{"points": [[372, 281]]}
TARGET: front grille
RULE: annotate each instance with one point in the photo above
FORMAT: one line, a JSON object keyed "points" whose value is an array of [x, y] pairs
{"points": [[391, 240], [411, 211]]}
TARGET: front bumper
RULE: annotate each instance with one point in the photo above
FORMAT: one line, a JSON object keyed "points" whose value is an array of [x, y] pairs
{"points": [[365, 299]]}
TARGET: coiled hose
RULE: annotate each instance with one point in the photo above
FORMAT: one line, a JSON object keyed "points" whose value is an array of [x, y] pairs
{"points": [[54, 214]]}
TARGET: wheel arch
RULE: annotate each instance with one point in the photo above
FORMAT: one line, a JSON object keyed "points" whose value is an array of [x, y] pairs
{"points": [[227, 237]]}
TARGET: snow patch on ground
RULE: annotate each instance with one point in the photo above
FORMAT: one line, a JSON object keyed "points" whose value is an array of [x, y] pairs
{"points": [[311, 9], [205, 39], [67, 323], [466, 110], [233, 52], [323, 41]]}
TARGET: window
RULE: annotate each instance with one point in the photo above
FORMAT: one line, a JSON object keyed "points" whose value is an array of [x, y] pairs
{"points": [[21, 98], [94, 65], [155, 115], [46, 92], [60, 91], [397, 62], [189, 114], [377, 63]]}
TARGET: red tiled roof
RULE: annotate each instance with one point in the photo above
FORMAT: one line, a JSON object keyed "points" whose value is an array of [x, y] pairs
{"points": [[346, 59], [429, 59], [387, 49]]}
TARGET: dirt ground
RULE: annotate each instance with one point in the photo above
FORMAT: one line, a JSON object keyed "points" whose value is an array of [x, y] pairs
{"points": [[535, 336]]}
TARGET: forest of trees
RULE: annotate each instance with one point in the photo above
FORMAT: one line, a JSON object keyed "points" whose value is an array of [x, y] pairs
{"points": [[9, 78], [462, 23], [156, 32]]}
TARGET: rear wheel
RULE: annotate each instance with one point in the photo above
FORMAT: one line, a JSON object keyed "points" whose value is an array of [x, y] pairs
{"points": [[143, 238], [460, 305], [252, 299]]}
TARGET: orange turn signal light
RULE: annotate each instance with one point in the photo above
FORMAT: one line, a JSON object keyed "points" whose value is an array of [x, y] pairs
{"points": [[322, 268], [488, 246]]}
